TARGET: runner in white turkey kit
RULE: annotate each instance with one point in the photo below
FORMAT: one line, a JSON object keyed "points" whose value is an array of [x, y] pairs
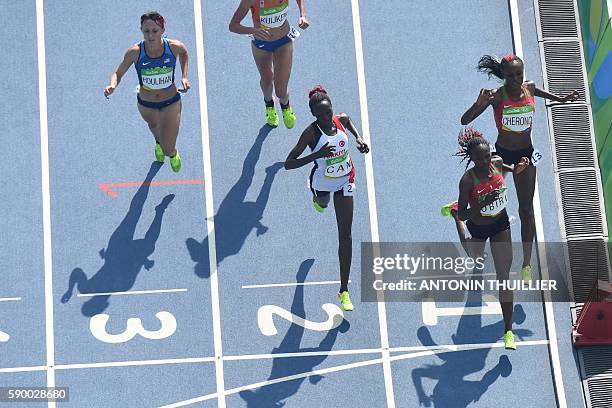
{"points": [[333, 172]]}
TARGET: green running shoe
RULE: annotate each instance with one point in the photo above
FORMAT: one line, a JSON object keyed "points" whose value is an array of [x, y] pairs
{"points": [[175, 162], [526, 273], [318, 207], [272, 116], [288, 117], [447, 209], [345, 301], [509, 340], [159, 153]]}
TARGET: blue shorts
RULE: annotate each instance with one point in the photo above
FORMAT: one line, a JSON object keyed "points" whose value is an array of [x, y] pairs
{"points": [[271, 46], [159, 105]]}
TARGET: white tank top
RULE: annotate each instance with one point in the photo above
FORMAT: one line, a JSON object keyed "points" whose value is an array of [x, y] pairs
{"points": [[332, 173]]}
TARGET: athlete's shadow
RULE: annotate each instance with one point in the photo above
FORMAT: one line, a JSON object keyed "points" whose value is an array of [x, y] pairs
{"points": [[236, 218], [451, 390], [274, 395], [124, 257]]}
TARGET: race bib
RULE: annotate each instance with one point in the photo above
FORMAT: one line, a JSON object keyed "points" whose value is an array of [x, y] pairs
{"points": [[293, 34], [496, 206], [348, 189], [156, 78], [338, 166], [517, 118], [536, 156], [273, 17]]}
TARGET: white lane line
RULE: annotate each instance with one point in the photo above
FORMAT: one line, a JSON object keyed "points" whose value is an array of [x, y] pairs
{"points": [[132, 292], [136, 363], [301, 354], [537, 213], [22, 369], [448, 348], [10, 299], [365, 125], [278, 285], [440, 348], [46, 195], [210, 209]]}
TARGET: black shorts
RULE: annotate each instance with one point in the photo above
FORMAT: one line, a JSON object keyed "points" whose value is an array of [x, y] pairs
{"points": [[489, 230], [512, 157], [322, 197], [161, 104]]}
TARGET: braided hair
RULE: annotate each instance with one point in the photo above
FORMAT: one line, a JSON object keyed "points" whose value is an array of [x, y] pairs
{"points": [[492, 65], [468, 139], [317, 95]]}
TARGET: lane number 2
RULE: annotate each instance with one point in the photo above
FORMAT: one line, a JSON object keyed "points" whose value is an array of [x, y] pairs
{"points": [[265, 319]]}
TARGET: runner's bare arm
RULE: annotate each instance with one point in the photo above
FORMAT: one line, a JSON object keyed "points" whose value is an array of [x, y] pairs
{"points": [[348, 123], [303, 23], [178, 48], [235, 25], [485, 98], [547, 95], [307, 137], [130, 57]]}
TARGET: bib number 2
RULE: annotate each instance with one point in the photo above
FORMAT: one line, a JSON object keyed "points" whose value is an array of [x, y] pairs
{"points": [[348, 189]]}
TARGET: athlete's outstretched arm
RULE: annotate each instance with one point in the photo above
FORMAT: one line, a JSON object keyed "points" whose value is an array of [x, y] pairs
{"points": [[239, 15], [128, 59], [348, 123], [292, 161], [544, 94], [485, 98]]}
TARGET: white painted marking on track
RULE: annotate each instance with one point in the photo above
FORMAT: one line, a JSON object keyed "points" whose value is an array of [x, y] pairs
{"points": [[431, 312], [132, 292], [46, 193], [440, 348], [210, 209], [447, 348], [537, 209], [265, 319], [365, 124], [302, 354], [292, 284], [137, 363], [97, 326], [10, 299]]}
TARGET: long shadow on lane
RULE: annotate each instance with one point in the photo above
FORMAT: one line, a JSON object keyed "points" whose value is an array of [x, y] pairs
{"points": [[451, 390], [124, 256], [274, 395], [236, 218]]}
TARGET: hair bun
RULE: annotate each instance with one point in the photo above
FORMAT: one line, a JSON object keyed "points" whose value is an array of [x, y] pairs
{"points": [[317, 89]]}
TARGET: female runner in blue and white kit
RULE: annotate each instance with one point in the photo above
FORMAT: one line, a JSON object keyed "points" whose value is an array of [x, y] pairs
{"points": [[159, 102], [333, 172]]}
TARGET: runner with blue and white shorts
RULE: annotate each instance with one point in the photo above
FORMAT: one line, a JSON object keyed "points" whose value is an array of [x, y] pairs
{"points": [[333, 172]]}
